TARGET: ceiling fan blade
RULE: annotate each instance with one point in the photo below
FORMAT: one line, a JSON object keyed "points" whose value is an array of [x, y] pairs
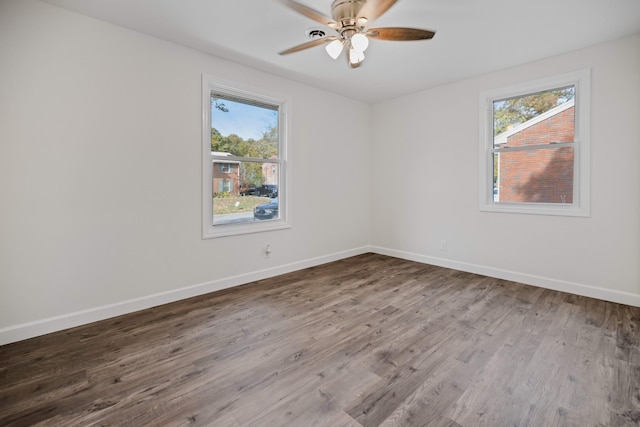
{"points": [[374, 8], [400, 34], [310, 13], [307, 45]]}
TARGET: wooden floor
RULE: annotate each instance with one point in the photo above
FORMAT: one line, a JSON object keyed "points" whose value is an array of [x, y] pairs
{"points": [[366, 341]]}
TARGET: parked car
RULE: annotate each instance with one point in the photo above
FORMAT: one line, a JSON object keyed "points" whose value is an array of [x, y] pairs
{"points": [[251, 191], [267, 210], [268, 190]]}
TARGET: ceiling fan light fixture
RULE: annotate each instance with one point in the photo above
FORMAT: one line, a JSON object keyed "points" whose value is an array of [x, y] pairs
{"points": [[334, 49], [355, 56], [360, 42]]}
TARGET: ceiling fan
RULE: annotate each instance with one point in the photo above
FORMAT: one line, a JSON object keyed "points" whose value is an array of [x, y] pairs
{"points": [[350, 18]]}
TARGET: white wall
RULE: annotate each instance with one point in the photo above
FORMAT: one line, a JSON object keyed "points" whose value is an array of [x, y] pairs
{"points": [[427, 144], [100, 165]]}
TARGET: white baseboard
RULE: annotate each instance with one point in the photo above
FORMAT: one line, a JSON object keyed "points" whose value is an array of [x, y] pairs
{"points": [[528, 279], [53, 324]]}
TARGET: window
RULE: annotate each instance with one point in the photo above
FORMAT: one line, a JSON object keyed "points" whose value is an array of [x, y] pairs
{"points": [[534, 151], [244, 159], [225, 186]]}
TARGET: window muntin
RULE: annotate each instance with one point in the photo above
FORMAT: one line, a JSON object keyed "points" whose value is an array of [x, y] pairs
{"points": [[535, 148], [244, 179]]}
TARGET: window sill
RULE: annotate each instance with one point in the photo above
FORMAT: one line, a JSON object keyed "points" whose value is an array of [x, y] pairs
{"points": [[246, 228], [536, 209]]}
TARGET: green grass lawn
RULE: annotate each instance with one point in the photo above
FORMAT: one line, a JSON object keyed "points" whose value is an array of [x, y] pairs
{"points": [[236, 204]]}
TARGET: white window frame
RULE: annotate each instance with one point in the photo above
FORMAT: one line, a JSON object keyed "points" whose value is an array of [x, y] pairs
{"points": [[580, 207], [214, 84]]}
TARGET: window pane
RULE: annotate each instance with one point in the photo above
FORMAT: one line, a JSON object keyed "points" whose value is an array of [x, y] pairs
{"points": [[244, 191], [543, 175], [533, 173], [244, 128], [512, 113], [248, 193]]}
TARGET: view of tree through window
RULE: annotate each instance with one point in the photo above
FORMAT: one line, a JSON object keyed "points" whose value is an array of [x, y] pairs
{"points": [[533, 147], [245, 160]]}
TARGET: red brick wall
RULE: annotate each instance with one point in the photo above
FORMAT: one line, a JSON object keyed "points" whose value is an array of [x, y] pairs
{"points": [[544, 175]]}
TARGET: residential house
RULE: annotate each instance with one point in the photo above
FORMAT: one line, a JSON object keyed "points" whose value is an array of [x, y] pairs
{"points": [[226, 175], [270, 173]]}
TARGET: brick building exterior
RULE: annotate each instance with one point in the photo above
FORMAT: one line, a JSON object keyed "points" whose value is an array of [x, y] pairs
{"points": [[542, 175], [226, 175], [270, 173]]}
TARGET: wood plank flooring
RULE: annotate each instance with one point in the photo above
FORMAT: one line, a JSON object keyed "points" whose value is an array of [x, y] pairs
{"points": [[366, 341]]}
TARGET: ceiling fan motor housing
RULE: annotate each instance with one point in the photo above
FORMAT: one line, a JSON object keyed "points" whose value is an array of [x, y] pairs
{"points": [[346, 11]]}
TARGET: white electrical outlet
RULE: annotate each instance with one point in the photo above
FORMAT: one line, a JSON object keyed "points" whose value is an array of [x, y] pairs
{"points": [[443, 245], [267, 251]]}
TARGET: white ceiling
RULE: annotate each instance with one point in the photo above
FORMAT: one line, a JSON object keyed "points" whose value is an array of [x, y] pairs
{"points": [[472, 36]]}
